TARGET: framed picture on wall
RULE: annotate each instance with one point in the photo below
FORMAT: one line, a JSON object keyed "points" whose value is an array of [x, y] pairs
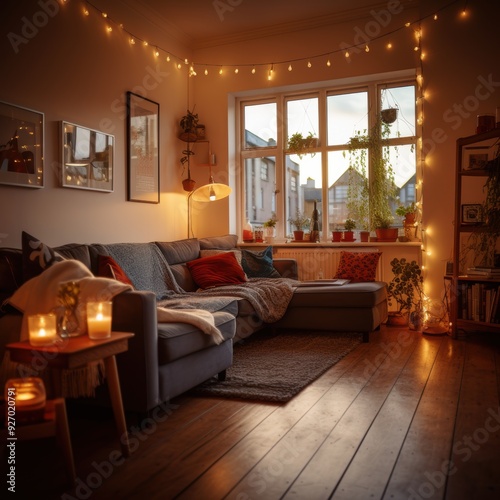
{"points": [[87, 158], [21, 146], [472, 213], [143, 149]]}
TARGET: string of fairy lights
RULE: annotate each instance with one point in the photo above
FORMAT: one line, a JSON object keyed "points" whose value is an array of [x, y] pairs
{"points": [[269, 69]]}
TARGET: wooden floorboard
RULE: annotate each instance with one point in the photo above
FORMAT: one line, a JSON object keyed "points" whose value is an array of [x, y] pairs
{"points": [[406, 416]]}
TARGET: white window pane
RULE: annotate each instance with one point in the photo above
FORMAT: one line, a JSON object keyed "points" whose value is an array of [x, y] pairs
{"points": [[259, 193], [302, 117], [347, 114], [338, 181], [260, 125], [402, 98]]}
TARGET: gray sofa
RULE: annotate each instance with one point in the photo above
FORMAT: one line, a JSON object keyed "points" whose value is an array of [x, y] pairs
{"points": [[167, 359], [163, 360]]}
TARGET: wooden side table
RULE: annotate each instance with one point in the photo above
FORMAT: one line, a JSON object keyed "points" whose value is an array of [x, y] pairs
{"points": [[78, 351]]}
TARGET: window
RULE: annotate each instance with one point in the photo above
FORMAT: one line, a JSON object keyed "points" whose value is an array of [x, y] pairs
{"points": [[300, 143]]}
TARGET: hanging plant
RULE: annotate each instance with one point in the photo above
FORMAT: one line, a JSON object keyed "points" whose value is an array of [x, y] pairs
{"points": [[389, 115], [299, 145]]}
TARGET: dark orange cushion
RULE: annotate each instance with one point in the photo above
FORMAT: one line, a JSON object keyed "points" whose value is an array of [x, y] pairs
{"points": [[109, 268], [358, 266], [216, 270]]}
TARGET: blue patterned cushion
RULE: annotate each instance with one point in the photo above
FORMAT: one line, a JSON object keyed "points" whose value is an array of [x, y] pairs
{"points": [[259, 264]]}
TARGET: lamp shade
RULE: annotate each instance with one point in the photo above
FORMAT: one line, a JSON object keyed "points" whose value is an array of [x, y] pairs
{"points": [[211, 192]]}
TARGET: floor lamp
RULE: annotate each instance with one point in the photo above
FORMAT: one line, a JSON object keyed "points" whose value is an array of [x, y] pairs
{"points": [[212, 191]]}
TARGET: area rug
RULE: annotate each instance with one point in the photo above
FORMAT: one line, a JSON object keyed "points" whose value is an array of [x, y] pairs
{"points": [[276, 366]]}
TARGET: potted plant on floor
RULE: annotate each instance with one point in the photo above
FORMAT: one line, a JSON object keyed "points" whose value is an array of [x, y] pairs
{"points": [[406, 290], [299, 222]]}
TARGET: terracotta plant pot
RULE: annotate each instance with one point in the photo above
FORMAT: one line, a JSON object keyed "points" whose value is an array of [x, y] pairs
{"points": [[364, 236], [337, 235], [390, 234], [298, 235], [409, 219], [397, 319], [348, 236], [188, 184]]}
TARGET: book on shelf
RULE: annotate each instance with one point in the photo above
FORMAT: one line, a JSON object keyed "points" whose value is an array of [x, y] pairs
{"points": [[484, 271], [480, 302]]}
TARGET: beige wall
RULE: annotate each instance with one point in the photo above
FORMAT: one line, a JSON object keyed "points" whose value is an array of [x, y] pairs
{"points": [[72, 70]]}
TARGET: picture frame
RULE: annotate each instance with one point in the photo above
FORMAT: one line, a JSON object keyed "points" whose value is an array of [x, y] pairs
{"points": [[475, 157], [87, 158], [143, 149], [21, 146], [472, 213]]}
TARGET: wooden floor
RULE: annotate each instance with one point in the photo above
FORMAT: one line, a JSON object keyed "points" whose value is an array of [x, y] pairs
{"points": [[407, 416]]}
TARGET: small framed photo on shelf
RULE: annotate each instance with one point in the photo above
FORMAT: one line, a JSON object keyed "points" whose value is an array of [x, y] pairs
{"points": [[475, 157], [472, 214]]}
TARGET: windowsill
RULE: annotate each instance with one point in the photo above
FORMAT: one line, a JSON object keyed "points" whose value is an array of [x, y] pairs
{"points": [[331, 244]]}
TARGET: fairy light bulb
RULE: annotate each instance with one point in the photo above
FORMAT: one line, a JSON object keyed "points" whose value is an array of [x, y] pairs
{"points": [[145, 43], [328, 63], [389, 45], [206, 71], [309, 64], [346, 54], [104, 15], [186, 61], [220, 71], [435, 17], [253, 71], [109, 29], [132, 41], [167, 58], [290, 67], [179, 65], [236, 71], [367, 49], [86, 11], [157, 53]]}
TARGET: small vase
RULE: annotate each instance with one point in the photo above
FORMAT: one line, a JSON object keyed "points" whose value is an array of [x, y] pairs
{"points": [[70, 323]]}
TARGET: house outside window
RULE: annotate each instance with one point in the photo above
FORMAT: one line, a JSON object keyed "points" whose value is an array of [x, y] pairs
{"points": [[321, 173]]}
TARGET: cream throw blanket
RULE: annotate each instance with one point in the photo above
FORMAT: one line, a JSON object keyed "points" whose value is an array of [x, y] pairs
{"points": [[39, 296]]}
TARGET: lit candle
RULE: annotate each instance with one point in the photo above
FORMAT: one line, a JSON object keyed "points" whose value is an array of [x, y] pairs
{"points": [[99, 319], [25, 398], [42, 329]]}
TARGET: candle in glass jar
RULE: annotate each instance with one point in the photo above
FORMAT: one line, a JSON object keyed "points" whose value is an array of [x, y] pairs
{"points": [[42, 329], [99, 319], [25, 398]]}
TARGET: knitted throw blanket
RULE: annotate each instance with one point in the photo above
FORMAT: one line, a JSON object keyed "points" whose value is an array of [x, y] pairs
{"points": [[269, 296]]}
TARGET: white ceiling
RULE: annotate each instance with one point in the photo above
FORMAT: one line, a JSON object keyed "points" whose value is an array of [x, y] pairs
{"points": [[203, 23]]}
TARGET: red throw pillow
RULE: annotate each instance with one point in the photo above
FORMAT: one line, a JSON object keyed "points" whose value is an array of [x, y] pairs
{"points": [[358, 266], [109, 268], [217, 270]]}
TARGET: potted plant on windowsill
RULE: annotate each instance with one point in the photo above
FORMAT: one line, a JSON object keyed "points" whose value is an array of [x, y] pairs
{"points": [[270, 228], [406, 289], [349, 226], [299, 222]]}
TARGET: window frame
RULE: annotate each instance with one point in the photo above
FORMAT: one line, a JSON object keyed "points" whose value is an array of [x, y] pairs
{"points": [[372, 85]]}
